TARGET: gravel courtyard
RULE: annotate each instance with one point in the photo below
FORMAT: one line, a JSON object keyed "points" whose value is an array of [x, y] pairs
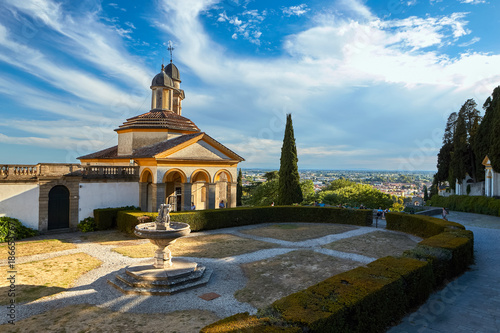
{"points": [[253, 266]]}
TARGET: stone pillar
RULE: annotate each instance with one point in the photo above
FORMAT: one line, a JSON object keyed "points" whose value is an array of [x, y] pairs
{"points": [[211, 196], [186, 196], [143, 196], [232, 195], [160, 195], [154, 199]]}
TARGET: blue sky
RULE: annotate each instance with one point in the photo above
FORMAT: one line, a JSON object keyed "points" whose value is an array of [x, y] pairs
{"points": [[369, 83]]}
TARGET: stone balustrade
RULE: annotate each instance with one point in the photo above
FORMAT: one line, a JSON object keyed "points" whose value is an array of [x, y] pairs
{"points": [[19, 171], [102, 171]]}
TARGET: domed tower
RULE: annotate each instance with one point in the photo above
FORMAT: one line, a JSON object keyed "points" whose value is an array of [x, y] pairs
{"points": [[178, 94], [162, 91]]}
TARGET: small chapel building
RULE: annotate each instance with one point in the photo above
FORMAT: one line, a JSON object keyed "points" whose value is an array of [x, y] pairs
{"points": [[161, 157]]}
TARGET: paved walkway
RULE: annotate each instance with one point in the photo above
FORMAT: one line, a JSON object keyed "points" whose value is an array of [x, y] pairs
{"points": [[470, 303]]}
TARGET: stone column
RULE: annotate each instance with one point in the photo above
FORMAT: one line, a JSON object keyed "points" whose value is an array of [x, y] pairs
{"points": [[232, 195], [186, 196], [143, 196], [154, 199], [211, 196], [160, 195]]}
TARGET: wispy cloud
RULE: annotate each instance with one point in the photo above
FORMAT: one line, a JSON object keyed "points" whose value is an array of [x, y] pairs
{"points": [[469, 43], [295, 10], [472, 2]]}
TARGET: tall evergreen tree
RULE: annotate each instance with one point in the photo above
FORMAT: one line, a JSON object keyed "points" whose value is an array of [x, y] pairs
{"points": [[460, 155], [494, 142], [289, 190], [239, 189], [426, 195], [444, 156], [472, 119]]}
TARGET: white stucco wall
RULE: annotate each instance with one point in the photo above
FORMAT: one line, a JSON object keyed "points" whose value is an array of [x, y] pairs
{"points": [[21, 202], [104, 195]]}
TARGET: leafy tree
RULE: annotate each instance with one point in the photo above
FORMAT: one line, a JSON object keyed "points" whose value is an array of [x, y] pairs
{"points": [[271, 175], [338, 184], [308, 192], [426, 195], [472, 119], [355, 195], [264, 194], [239, 189], [289, 190]]}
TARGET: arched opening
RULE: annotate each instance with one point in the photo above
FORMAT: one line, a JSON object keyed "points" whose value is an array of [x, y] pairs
{"points": [[173, 189], [222, 189], [58, 208], [199, 189], [147, 191]]}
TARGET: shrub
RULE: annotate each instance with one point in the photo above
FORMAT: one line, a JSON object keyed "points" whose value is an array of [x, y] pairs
{"points": [[87, 224], [105, 218], [232, 217], [11, 228], [469, 204], [419, 225]]}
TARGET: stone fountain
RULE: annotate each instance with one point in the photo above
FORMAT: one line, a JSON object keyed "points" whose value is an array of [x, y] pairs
{"points": [[163, 275]]}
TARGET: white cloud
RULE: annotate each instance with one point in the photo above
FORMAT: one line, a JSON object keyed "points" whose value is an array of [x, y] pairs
{"points": [[87, 38], [295, 10], [472, 2], [469, 43]]}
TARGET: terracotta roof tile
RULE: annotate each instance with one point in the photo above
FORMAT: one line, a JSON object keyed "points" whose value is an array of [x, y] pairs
{"points": [[160, 119]]}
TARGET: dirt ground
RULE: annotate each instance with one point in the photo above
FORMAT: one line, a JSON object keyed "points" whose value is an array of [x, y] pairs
{"points": [[376, 244], [272, 279], [296, 232], [86, 318]]}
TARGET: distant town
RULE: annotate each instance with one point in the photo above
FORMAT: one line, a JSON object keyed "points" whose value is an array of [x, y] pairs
{"points": [[397, 183]]}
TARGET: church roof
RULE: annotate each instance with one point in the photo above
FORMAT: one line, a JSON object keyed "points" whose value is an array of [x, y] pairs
{"points": [[152, 150], [160, 119]]}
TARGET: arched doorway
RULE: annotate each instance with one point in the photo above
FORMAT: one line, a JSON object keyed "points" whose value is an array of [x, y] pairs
{"points": [[147, 191], [223, 188], [173, 189], [58, 208], [199, 189]]}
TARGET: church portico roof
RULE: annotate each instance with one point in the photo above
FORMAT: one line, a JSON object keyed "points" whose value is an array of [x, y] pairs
{"points": [[163, 149], [160, 119]]}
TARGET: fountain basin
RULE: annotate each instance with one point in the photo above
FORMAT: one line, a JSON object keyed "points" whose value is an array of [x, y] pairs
{"points": [[149, 231]]}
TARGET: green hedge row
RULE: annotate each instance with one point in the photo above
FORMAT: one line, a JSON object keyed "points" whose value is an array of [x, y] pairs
{"points": [[106, 218], [368, 299], [469, 204], [419, 225], [233, 217]]}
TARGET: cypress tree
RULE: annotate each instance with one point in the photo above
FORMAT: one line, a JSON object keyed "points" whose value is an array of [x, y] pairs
{"points": [[289, 191], [239, 189], [494, 143], [426, 195], [460, 154]]}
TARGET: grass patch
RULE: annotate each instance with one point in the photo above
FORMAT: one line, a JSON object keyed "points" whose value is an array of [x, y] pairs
{"points": [[42, 278], [274, 278], [294, 232], [210, 246], [375, 244], [88, 318], [24, 249]]}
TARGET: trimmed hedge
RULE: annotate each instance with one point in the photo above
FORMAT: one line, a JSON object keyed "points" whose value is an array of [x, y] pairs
{"points": [[469, 204], [368, 299], [234, 217], [419, 225], [105, 218], [12, 229]]}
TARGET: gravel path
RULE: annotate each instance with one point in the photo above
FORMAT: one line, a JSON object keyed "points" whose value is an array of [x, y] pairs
{"points": [[227, 277]]}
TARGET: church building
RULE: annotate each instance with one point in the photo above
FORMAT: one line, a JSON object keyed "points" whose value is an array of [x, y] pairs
{"points": [[161, 157]]}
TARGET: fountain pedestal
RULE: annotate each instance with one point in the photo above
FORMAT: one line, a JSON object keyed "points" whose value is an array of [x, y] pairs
{"points": [[163, 275]]}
